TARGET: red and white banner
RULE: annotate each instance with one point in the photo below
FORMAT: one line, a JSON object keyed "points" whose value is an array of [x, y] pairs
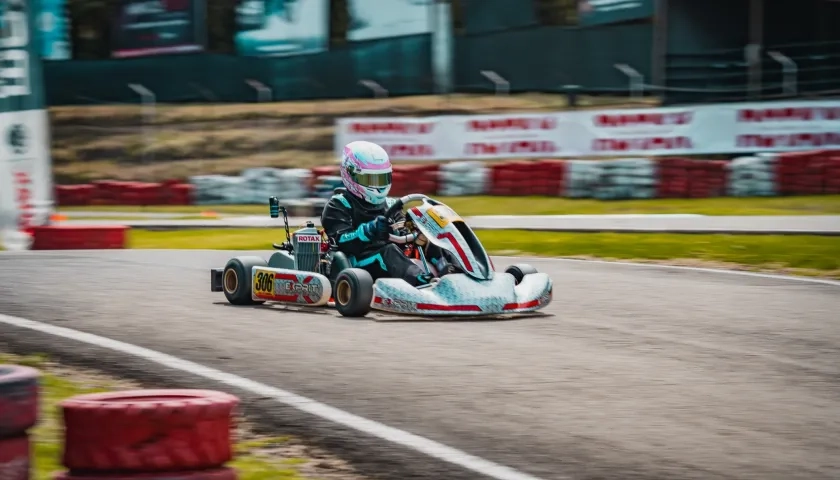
{"points": [[500, 136], [402, 138], [704, 129], [787, 126]]}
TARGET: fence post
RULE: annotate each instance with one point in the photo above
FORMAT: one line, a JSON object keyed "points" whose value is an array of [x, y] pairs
{"points": [[789, 71], [502, 86], [264, 94], [752, 57], [636, 85], [149, 101], [378, 90]]}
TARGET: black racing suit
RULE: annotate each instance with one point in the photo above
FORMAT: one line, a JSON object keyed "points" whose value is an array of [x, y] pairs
{"points": [[342, 219]]}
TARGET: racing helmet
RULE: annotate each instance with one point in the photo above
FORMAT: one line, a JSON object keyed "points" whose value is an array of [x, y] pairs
{"points": [[366, 171]]}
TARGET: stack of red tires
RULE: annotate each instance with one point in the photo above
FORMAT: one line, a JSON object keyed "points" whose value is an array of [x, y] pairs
{"points": [[149, 435], [19, 398]]}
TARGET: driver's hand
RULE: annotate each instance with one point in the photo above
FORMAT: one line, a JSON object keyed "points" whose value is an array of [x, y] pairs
{"points": [[377, 228]]}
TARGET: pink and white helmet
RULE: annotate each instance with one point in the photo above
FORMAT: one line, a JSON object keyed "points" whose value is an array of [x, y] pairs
{"points": [[366, 171]]}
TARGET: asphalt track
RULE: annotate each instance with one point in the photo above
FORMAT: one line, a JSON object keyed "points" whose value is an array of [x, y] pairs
{"points": [[635, 372]]}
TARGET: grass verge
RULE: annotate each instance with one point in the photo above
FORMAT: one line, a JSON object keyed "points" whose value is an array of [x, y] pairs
{"points": [[489, 205], [794, 254], [258, 457]]}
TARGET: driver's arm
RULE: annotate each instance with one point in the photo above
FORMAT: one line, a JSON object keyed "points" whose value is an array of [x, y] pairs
{"points": [[337, 221]]}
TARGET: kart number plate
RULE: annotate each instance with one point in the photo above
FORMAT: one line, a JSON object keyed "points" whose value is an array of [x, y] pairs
{"points": [[264, 283], [443, 216]]}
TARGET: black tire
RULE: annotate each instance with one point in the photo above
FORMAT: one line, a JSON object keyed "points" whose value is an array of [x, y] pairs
{"points": [[519, 271], [353, 292], [236, 279]]}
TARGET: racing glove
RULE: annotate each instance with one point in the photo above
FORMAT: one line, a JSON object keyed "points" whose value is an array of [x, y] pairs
{"points": [[377, 228]]}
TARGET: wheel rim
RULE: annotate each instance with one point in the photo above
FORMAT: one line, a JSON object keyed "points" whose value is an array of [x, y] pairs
{"points": [[231, 280], [342, 292]]}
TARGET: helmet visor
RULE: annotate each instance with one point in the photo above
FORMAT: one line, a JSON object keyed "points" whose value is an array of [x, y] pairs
{"points": [[372, 179]]}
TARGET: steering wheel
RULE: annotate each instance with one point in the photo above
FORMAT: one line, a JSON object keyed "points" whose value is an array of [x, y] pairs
{"points": [[398, 206]]}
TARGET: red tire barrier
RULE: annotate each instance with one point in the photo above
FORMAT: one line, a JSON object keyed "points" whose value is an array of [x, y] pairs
{"points": [[107, 192], [415, 179], [215, 474], [148, 430], [19, 395], [15, 458], [523, 178], [685, 178], [67, 237], [832, 174], [800, 173]]}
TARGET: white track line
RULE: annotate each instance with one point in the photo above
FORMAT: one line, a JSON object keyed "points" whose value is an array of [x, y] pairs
{"points": [[376, 429], [719, 271]]}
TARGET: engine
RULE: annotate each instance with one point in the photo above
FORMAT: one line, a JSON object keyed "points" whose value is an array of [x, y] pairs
{"points": [[307, 248]]}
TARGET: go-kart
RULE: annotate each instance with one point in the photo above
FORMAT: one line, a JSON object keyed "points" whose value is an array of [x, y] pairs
{"points": [[309, 270]]}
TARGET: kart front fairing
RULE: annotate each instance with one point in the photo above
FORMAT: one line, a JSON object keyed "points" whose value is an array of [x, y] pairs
{"points": [[461, 295], [445, 229]]}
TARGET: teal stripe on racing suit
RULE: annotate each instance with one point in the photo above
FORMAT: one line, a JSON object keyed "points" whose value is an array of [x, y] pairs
{"points": [[369, 261], [344, 218]]}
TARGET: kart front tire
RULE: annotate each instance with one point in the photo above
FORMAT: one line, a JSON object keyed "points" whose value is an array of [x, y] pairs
{"points": [[236, 280], [519, 271], [353, 292]]}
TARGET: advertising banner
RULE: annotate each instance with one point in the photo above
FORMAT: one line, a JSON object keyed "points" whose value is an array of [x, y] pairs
{"points": [[155, 27], [54, 26], [402, 138], [599, 12], [282, 27], [634, 132], [372, 19], [784, 126], [707, 129], [499, 136], [25, 173]]}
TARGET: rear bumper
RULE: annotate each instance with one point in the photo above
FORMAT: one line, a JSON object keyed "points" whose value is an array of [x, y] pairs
{"points": [[217, 279]]}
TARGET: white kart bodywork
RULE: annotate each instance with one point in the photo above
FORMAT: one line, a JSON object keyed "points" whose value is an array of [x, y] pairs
{"points": [[460, 295], [480, 290]]}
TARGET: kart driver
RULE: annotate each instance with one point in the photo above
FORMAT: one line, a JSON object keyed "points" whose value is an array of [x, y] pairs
{"points": [[356, 221]]}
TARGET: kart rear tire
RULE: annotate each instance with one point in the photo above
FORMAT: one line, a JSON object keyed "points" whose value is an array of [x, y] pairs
{"points": [[236, 280], [519, 271], [353, 292]]}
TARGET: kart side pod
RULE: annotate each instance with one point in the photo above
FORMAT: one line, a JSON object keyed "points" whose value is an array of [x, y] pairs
{"points": [[250, 281]]}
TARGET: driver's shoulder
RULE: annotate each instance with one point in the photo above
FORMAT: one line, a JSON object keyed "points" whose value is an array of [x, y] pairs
{"points": [[339, 199]]}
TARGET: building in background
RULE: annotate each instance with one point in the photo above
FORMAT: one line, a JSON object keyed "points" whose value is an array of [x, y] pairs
{"points": [[373, 19], [281, 27], [154, 27], [599, 12]]}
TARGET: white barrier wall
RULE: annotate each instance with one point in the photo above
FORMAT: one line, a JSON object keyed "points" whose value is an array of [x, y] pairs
{"points": [[706, 129], [25, 166]]}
